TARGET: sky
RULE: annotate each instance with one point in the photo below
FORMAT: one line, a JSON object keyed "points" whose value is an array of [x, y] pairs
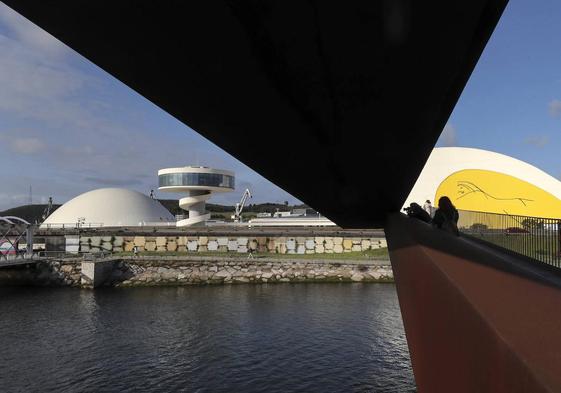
{"points": [[67, 127], [512, 101]]}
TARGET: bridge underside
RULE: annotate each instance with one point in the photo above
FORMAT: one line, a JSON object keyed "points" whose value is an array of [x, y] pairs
{"points": [[337, 102]]}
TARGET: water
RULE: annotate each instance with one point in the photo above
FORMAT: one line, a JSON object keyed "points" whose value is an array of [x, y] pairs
{"points": [[243, 338]]}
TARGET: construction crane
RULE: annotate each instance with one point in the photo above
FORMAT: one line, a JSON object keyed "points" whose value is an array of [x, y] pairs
{"points": [[237, 217]]}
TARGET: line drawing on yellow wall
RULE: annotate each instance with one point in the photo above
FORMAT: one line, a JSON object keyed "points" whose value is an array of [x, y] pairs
{"points": [[466, 188]]}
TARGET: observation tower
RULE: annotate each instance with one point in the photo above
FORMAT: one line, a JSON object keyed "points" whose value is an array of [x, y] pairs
{"points": [[200, 182]]}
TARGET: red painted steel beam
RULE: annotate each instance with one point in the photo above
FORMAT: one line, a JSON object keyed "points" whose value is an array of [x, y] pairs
{"points": [[474, 321]]}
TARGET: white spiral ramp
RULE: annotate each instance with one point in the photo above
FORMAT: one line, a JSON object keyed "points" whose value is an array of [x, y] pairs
{"points": [[200, 183], [195, 204]]}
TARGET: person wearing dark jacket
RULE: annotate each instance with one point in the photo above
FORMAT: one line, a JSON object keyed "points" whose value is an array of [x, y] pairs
{"points": [[446, 216]]}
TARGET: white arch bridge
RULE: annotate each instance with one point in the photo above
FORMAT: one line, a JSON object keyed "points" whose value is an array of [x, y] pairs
{"points": [[14, 230]]}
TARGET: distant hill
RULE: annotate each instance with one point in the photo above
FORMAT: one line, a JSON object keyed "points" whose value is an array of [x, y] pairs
{"points": [[30, 213], [173, 206], [33, 213]]}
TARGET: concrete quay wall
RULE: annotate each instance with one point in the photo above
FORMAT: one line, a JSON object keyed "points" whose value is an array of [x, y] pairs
{"points": [[154, 271], [231, 244]]}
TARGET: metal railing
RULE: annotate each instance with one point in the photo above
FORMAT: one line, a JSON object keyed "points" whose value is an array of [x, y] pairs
{"points": [[534, 237], [75, 225]]}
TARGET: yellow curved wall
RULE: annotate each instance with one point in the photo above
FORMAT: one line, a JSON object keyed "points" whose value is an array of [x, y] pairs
{"points": [[494, 192]]}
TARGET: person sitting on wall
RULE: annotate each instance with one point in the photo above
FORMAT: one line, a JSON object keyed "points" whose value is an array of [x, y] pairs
{"points": [[446, 216], [416, 211]]}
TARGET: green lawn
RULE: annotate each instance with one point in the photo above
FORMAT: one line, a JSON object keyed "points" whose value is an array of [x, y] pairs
{"points": [[377, 254]]}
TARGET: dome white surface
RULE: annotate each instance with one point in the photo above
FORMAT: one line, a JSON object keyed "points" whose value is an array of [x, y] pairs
{"points": [[444, 161], [110, 207]]}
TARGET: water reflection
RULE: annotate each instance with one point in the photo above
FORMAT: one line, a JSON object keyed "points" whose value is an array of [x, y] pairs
{"points": [[275, 338]]}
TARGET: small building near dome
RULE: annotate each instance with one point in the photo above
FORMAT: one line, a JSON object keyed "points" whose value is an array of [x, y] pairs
{"points": [[110, 207]]}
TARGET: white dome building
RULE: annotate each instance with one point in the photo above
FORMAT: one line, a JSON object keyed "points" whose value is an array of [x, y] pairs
{"points": [[110, 207]]}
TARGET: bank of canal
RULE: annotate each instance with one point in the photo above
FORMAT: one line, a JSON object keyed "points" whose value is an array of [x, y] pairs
{"points": [[154, 270]]}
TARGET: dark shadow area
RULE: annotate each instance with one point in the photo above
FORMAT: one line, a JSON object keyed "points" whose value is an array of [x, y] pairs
{"points": [[313, 95]]}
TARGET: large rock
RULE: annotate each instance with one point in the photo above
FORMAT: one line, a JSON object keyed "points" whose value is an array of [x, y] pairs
{"points": [[301, 249], [222, 274], [356, 247], [320, 249], [242, 241], [328, 244], [139, 241], [203, 240], [192, 245], [347, 244], [357, 277], [95, 241], [172, 246], [118, 241], [107, 246], [291, 244], [319, 240], [222, 241], [212, 245], [337, 240], [161, 241], [232, 245], [271, 245], [365, 244], [337, 248], [150, 246], [310, 244]]}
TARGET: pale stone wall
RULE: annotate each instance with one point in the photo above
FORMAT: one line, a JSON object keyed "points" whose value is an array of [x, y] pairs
{"points": [[235, 244]]}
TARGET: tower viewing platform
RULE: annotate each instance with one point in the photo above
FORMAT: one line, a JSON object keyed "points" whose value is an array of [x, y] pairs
{"points": [[200, 183]]}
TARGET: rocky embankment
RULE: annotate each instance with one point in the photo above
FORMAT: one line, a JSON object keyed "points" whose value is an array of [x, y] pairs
{"points": [[174, 271], [153, 271]]}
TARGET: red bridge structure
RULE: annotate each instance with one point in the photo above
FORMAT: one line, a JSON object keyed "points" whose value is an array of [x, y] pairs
{"points": [[365, 87]]}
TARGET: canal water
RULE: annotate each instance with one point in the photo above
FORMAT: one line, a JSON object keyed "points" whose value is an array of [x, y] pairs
{"points": [[234, 338]]}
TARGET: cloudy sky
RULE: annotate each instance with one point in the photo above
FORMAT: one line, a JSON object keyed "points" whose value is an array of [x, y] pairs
{"points": [[67, 127]]}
